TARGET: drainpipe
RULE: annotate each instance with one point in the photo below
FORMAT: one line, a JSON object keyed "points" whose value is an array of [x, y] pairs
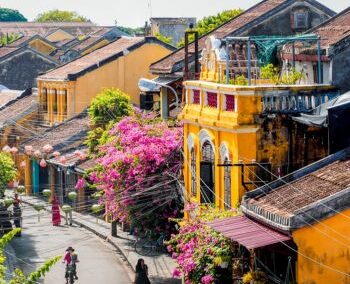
{"points": [[319, 60]]}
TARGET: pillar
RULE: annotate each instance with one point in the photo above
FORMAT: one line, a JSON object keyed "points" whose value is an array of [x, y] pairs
{"points": [[70, 102], [164, 103], [64, 104], [59, 105], [28, 176]]}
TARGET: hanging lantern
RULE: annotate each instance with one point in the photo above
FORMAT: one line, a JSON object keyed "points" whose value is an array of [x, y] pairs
{"points": [[14, 150], [47, 192], [43, 163], [62, 160], [72, 195], [56, 154], [28, 150], [77, 153], [6, 149], [47, 148], [22, 165], [83, 156], [39, 206], [37, 154]]}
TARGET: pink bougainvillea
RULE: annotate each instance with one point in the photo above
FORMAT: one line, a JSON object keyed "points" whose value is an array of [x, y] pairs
{"points": [[138, 168], [80, 184]]}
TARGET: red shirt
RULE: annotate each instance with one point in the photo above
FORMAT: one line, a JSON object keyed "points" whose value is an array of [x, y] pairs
{"points": [[67, 258]]}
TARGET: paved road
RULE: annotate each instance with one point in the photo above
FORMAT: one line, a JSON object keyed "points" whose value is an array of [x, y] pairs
{"points": [[99, 262]]}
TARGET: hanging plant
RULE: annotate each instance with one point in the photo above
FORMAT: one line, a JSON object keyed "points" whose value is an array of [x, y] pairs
{"points": [[96, 208], [66, 208], [20, 189], [72, 195], [39, 206], [8, 202], [47, 192]]}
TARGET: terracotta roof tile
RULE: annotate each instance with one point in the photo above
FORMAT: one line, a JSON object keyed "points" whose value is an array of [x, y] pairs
{"points": [[335, 29], [94, 58], [87, 165], [166, 65], [310, 189], [63, 137], [8, 95], [7, 50], [86, 43], [18, 109], [43, 29]]}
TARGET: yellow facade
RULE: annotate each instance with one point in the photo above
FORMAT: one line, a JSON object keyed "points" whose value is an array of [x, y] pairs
{"points": [[328, 243], [233, 134], [64, 99], [42, 46]]}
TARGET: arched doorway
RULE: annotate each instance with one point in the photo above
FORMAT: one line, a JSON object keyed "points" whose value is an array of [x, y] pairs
{"points": [[207, 173]]}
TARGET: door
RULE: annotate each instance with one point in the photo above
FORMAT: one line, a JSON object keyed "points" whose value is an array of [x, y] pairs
{"points": [[207, 182]]}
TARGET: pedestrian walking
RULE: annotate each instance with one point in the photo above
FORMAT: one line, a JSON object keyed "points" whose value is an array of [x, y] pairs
{"points": [[56, 215], [141, 276]]}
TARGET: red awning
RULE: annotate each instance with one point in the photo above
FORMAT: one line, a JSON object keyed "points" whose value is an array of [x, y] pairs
{"points": [[247, 232]]}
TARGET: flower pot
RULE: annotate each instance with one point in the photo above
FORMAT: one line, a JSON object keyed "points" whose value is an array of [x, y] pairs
{"points": [[8, 202], [96, 208]]}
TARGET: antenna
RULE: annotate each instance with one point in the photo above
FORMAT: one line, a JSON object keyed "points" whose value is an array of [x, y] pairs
{"points": [[150, 7]]}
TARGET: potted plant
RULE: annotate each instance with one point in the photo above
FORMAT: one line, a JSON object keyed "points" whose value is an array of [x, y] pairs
{"points": [[21, 189], [47, 192], [8, 202], [72, 195]]}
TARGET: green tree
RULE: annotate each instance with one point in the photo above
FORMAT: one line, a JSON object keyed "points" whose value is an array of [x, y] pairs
{"points": [[7, 169], [110, 106], [132, 31], [7, 39], [209, 23], [60, 16], [10, 15], [167, 40]]}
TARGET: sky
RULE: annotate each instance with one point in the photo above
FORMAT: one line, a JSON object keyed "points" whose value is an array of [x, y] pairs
{"points": [[134, 13]]}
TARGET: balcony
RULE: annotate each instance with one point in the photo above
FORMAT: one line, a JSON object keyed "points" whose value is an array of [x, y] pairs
{"points": [[232, 106]]}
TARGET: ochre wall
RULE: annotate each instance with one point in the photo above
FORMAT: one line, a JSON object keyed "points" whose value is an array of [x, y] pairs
{"points": [[59, 35], [94, 47], [327, 245], [41, 46], [123, 73]]}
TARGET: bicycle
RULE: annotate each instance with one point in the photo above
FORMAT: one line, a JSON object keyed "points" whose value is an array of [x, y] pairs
{"points": [[145, 245]]}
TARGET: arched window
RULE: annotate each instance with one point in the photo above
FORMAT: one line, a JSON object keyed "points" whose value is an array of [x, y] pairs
{"points": [[208, 152], [227, 185], [207, 173], [193, 173]]}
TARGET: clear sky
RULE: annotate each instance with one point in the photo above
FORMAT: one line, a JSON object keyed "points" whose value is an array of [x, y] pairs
{"points": [[135, 12]]}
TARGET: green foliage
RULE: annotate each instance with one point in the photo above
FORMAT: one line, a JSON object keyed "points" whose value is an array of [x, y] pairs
{"points": [[7, 39], [272, 73], [8, 171], [60, 16], [10, 15], [167, 40], [132, 31], [256, 277], [207, 24], [110, 105]]}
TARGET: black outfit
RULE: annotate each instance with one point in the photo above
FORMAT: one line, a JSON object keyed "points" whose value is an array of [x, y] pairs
{"points": [[141, 275]]}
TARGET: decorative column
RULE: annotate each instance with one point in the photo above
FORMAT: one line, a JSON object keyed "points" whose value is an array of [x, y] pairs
{"points": [[70, 102], [64, 104], [50, 103], [59, 105], [28, 176]]}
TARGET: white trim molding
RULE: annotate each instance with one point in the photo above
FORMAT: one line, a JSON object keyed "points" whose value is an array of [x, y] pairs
{"points": [[190, 142], [205, 136], [224, 152]]}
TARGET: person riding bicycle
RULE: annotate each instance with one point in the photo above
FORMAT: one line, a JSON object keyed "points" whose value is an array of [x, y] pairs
{"points": [[75, 259], [67, 259]]}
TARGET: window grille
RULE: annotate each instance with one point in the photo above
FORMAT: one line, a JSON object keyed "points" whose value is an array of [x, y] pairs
{"points": [[212, 99], [227, 186], [230, 103], [196, 97], [208, 152], [193, 173]]}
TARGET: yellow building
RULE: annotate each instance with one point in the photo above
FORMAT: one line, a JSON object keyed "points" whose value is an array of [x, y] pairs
{"points": [[69, 89], [237, 125]]}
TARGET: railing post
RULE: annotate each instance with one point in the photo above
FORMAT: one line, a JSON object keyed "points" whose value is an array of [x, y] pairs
{"points": [[249, 63], [319, 60], [227, 62]]}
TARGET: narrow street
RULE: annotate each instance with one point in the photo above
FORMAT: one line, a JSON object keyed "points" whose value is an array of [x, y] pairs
{"points": [[99, 262]]}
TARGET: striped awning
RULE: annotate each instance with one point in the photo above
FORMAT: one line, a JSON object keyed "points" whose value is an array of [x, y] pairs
{"points": [[247, 232]]}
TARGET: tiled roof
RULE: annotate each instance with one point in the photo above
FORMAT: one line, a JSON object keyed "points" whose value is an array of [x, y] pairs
{"points": [[87, 42], [335, 29], [6, 50], [43, 29], [63, 137], [92, 59], [87, 165], [71, 159], [166, 65], [301, 193], [8, 95], [18, 108], [19, 41]]}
